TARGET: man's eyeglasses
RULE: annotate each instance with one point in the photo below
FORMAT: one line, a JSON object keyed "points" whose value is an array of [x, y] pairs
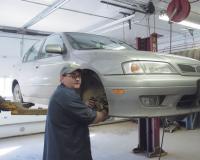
{"points": [[74, 76]]}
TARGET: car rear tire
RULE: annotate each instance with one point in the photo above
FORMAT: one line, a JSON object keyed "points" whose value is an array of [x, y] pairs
{"points": [[17, 95]]}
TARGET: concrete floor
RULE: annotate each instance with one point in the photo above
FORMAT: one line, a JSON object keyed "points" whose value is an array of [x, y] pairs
{"points": [[109, 142]]}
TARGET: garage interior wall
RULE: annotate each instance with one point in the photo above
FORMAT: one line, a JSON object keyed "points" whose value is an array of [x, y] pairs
{"points": [[11, 44], [180, 41], [10, 48], [10, 56]]}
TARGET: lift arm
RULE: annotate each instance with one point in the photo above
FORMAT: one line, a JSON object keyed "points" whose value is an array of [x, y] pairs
{"points": [[19, 109]]}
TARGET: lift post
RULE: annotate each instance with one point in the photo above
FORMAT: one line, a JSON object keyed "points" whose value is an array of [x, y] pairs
{"points": [[149, 137], [148, 128]]}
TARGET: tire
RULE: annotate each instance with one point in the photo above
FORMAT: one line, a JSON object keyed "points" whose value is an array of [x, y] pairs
{"points": [[17, 95]]}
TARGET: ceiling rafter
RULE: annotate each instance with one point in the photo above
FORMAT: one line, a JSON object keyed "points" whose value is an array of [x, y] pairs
{"points": [[72, 10], [57, 4]]}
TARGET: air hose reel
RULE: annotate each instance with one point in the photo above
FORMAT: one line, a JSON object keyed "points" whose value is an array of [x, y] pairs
{"points": [[178, 10]]}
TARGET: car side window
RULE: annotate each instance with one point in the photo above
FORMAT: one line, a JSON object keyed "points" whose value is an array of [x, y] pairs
{"points": [[54, 39], [33, 52]]}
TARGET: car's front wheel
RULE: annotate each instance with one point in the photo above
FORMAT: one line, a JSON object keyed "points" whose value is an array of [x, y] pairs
{"points": [[92, 88], [17, 95]]}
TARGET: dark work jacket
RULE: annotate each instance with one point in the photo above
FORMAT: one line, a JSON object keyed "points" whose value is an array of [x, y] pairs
{"points": [[66, 132]]}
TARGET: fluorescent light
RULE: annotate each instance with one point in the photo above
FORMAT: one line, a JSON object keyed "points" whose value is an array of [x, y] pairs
{"points": [[164, 17], [113, 23], [7, 150], [92, 134], [117, 27], [119, 48], [113, 28]]}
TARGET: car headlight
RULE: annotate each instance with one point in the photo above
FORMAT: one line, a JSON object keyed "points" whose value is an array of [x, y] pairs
{"points": [[149, 67]]}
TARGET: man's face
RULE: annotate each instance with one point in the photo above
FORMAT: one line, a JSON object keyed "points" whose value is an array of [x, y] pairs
{"points": [[71, 80]]}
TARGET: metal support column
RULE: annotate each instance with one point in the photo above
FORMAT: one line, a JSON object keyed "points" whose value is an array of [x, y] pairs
{"points": [[149, 137], [149, 128]]}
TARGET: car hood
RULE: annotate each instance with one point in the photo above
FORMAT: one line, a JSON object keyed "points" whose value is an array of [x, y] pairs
{"points": [[179, 59], [110, 62], [122, 55]]}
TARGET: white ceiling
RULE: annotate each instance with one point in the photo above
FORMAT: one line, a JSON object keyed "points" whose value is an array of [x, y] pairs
{"points": [[73, 16], [86, 15]]}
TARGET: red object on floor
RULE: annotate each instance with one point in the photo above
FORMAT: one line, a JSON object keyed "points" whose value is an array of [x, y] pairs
{"points": [[178, 10]]}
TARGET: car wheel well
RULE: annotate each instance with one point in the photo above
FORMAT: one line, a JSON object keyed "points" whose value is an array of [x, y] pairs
{"points": [[17, 95], [13, 84], [92, 87]]}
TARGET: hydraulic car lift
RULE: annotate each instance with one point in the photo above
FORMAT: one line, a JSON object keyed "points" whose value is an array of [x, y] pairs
{"points": [[16, 119], [149, 128], [20, 108]]}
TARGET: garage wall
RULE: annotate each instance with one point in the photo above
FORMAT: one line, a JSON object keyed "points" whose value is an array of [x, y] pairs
{"points": [[180, 42], [10, 55], [181, 39], [5, 87], [192, 53], [10, 50]]}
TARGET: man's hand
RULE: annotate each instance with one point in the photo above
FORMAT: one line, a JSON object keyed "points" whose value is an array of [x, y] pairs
{"points": [[91, 103], [101, 116], [105, 114]]}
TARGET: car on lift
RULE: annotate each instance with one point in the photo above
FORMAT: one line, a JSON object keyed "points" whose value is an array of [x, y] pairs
{"points": [[130, 83]]}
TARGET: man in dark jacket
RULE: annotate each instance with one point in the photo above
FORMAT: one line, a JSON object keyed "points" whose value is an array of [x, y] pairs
{"points": [[66, 132]]}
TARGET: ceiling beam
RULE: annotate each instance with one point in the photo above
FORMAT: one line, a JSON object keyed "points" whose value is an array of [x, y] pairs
{"points": [[8, 29], [71, 10], [57, 4]]}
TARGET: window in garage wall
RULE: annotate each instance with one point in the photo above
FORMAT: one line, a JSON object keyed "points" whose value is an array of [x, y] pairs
{"points": [[5, 87]]}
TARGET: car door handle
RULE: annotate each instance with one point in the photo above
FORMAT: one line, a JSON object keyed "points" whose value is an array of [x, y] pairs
{"points": [[36, 67]]}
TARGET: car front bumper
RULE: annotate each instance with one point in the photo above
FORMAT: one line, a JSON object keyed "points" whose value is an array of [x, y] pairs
{"points": [[174, 90]]}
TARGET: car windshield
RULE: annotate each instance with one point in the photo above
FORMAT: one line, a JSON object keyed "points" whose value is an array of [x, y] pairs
{"points": [[84, 41]]}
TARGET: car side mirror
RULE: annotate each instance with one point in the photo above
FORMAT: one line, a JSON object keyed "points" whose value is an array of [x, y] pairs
{"points": [[54, 48]]}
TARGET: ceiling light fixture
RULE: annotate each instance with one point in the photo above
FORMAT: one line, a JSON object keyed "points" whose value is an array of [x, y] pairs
{"points": [[164, 17], [113, 23]]}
